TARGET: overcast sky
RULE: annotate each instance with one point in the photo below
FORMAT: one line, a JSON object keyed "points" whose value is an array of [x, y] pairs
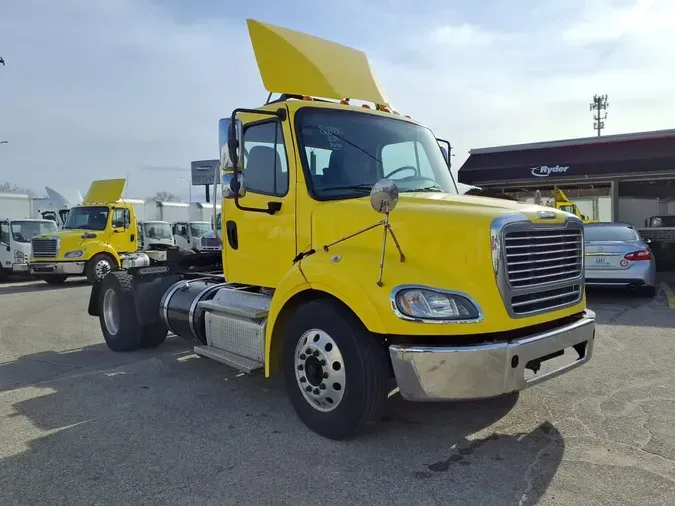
{"points": [[102, 88]]}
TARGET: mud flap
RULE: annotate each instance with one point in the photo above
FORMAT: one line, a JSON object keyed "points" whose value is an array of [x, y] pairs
{"points": [[93, 309]]}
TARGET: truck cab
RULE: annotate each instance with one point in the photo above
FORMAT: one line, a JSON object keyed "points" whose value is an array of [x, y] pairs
{"points": [[196, 236], [560, 201], [97, 233], [351, 265], [152, 233], [15, 243]]}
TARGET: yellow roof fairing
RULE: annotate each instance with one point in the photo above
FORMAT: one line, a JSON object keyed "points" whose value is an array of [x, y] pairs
{"points": [[293, 62], [104, 191]]}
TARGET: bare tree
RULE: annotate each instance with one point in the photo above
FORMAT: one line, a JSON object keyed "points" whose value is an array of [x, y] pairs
{"points": [[165, 196], [8, 187]]}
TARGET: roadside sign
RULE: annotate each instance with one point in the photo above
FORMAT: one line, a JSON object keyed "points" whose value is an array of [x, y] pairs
{"points": [[203, 172]]}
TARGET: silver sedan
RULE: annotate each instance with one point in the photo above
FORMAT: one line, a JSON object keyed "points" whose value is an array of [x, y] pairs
{"points": [[616, 255]]}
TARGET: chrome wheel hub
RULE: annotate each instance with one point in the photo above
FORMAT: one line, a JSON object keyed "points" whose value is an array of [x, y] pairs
{"points": [[111, 311], [320, 370], [101, 268]]}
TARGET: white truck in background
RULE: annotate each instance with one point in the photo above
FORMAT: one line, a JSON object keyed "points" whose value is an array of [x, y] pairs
{"points": [[202, 211], [16, 205], [154, 232], [197, 236], [15, 242]]}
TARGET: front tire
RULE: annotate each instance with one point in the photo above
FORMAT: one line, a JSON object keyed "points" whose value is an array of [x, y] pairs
{"points": [[99, 266], [336, 372]]}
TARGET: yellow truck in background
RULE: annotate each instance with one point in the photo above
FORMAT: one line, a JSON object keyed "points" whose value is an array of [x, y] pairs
{"points": [[350, 263], [560, 201], [96, 233]]}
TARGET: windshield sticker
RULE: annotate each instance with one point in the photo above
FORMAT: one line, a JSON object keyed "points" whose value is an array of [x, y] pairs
{"points": [[333, 135]]}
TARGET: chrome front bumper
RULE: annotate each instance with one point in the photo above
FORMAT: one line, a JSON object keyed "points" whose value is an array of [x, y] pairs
{"points": [[20, 267], [440, 373], [73, 268]]}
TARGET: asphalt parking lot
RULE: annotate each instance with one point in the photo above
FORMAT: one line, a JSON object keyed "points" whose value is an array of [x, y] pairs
{"points": [[83, 425]]}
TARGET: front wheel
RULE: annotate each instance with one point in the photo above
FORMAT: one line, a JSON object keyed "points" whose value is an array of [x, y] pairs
{"points": [[336, 372], [99, 266]]}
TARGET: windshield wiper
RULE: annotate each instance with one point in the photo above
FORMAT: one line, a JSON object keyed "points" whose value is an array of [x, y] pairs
{"points": [[362, 186], [436, 189]]}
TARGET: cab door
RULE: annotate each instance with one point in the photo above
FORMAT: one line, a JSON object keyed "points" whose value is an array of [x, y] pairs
{"points": [[122, 234], [259, 248]]}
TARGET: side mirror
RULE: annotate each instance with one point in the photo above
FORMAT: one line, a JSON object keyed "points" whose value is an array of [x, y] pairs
{"points": [[9, 248], [384, 196], [446, 149], [230, 139], [233, 187], [445, 154]]}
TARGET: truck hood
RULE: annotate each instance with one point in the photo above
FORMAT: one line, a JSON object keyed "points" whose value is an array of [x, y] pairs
{"points": [[445, 238], [426, 221]]}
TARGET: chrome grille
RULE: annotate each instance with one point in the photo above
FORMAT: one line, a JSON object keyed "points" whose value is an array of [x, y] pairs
{"points": [[543, 268], [45, 248], [535, 258]]}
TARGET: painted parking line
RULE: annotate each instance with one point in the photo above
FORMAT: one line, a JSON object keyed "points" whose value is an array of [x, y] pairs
{"points": [[669, 294]]}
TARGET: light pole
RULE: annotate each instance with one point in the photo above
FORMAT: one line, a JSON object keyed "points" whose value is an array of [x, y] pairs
{"points": [[189, 187]]}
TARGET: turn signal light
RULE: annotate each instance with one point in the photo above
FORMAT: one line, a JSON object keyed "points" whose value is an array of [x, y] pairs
{"points": [[643, 254]]}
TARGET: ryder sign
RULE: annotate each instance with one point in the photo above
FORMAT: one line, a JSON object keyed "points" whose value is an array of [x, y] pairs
{"points": [[545, 170]]}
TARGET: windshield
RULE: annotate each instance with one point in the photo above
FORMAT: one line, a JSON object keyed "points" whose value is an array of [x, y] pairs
{"points": [[605, 233], [198, 229], [158, 230], [87, 218], [347, 152], [568, 209], [24, 231], [64, 214]]}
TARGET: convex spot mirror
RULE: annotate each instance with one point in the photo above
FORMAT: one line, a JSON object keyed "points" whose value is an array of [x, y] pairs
{"points": [[384, 196], [233, 186]]}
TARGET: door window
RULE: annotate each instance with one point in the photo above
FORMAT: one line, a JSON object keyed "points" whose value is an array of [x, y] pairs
{"points": [[121, 218], [265, 162], [4, 232]]}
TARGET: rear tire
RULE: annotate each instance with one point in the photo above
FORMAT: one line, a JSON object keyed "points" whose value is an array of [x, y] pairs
{"points": [[117, 313], [99, 266], [346, 371]]}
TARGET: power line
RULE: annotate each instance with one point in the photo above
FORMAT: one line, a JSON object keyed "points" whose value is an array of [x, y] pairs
{"points": [[599, 104]]}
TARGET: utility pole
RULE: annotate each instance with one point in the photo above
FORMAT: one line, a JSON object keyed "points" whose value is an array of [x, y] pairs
{"points": [[599, 104]]}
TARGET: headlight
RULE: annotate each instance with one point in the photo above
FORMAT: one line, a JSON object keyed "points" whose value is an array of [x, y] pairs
{"points": [[74, 254], [19, 257], [428, 304]]}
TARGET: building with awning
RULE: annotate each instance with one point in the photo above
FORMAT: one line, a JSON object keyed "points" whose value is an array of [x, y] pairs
{"points": [[627, 177]]}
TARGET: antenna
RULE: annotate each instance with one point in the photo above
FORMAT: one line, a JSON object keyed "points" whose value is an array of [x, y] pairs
{"points": [[599, 104], [383, 198]]}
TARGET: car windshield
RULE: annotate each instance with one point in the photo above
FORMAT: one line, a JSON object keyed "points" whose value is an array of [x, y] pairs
{"points": [[24, 231], [346, 152], [605, 233], [87, 218], [198, 229], [157, 230]]}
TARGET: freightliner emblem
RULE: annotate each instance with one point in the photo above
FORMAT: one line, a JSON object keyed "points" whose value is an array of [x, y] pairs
{"points": [[545, 215]]}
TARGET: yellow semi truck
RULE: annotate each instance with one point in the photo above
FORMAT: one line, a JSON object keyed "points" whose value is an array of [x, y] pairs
{"points": [[560, 201], [350, 263], [97, 235]]}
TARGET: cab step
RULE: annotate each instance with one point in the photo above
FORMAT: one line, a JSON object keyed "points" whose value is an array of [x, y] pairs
{"points": [[231, 359]]}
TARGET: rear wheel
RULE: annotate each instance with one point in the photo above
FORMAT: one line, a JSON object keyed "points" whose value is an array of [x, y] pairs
{"points": [[336, 372], [119, 320], [99, 265]]}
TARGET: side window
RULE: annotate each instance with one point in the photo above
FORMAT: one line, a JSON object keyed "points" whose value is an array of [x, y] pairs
{"points": [[121, 218], [182, 230], [402, 154], [265, 162], [4, 232]]}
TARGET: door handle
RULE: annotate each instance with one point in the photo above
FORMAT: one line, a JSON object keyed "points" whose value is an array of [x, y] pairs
{"points": [[232, 236]]}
